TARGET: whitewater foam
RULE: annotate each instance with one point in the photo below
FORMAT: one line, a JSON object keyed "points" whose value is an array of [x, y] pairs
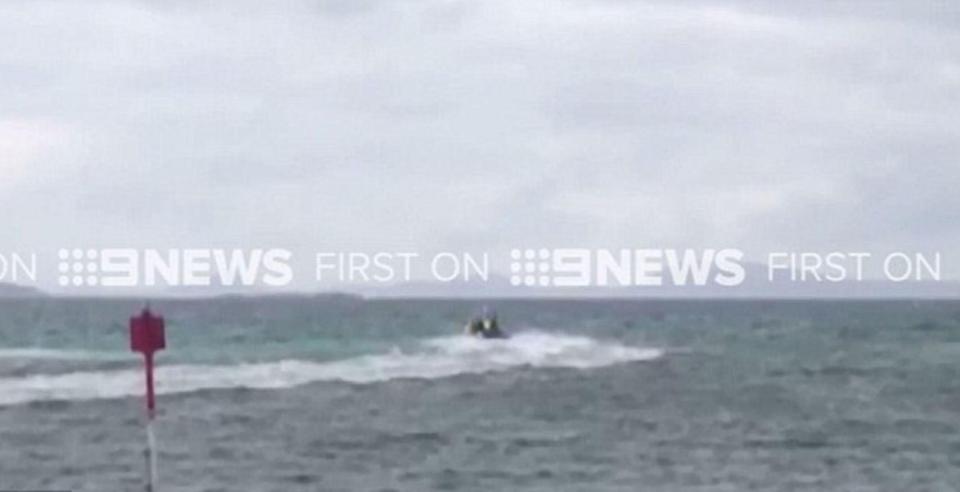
{"points": [[34, 353], [434, 358]]}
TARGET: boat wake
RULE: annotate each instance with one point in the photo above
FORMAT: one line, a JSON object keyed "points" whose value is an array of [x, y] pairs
{"points": [[431, 359]]}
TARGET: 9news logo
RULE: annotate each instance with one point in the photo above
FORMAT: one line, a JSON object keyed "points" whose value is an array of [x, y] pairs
{"points": [[124, 267]]}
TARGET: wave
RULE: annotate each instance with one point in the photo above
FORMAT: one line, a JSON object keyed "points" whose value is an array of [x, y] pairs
{"points": [[432, 359], [40, 353]]}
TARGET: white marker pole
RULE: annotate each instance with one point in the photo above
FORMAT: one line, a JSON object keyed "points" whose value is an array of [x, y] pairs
{"points": [[151, 456], [147, 336]]}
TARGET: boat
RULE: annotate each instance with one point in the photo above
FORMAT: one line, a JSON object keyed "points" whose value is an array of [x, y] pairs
{"points": [[485, 326]]}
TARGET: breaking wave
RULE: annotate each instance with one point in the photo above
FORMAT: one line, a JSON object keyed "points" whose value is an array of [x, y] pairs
{"points": [[38, 353], [431, 359]]}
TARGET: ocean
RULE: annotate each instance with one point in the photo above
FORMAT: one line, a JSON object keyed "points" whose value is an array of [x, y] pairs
{"points": [[337, 393]]}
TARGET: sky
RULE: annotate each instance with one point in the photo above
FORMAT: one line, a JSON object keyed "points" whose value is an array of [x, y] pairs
{"points": [[480, 125]]}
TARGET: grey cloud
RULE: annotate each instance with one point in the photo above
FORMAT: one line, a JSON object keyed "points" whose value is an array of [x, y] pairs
{"points": [[484, 124]]}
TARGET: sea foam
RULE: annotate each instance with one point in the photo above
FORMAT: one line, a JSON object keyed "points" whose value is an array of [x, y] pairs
{"points": [[431, 359]]}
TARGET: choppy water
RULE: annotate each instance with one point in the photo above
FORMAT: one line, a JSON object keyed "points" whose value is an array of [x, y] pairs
{"points": [[342, 394]]}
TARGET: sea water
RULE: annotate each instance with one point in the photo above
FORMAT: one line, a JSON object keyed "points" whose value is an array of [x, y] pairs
{"points": [[339, 393]]}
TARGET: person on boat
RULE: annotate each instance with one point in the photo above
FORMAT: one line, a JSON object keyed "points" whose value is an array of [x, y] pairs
{"points": [[475, 327], [491, 327]]}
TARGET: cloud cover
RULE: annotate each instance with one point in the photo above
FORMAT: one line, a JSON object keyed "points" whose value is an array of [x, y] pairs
{"points": [[436, 125]]}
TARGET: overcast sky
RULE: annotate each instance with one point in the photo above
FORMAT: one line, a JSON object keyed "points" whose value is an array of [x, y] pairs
{"points": [[434, 125]]}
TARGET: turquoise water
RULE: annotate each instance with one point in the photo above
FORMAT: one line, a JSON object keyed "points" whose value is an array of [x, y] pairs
{"points": [[337, 393]]}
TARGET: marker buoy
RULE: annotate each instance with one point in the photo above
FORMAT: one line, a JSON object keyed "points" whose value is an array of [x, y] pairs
{"points": [[147, 336]]}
